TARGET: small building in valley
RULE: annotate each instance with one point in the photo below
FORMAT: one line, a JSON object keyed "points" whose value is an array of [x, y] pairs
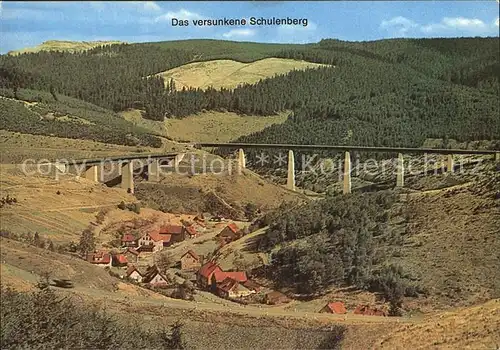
{"points": [[230, 288], [229, 233], [205, 273], [134, 274], [157, 239], [154, 278], [276, 298], [102, 259], [129, 240], [131, 254], [119, 260], [334, 308], [191, 261]]}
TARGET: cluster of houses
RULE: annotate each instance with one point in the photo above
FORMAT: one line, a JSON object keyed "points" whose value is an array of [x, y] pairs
{"points": [[152, 241]]}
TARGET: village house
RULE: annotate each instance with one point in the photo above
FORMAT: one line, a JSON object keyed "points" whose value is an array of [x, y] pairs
{"points": [[210, 275], [129, 240], [191, 231], [205, 273], [154, 278], [131, 254], [102, 259], [119, 260], [163, 237], [276, 298], [191, 261], [230, 233], [134, 274], [334, 308], [369, 311], [230, 288]]}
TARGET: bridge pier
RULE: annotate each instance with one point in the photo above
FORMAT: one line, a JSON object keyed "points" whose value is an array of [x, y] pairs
{"points": [[450, 165], [91, 173], [154, 171], [127, 171], [400, 171], [241, 160], [347, 174], [290, 181]]}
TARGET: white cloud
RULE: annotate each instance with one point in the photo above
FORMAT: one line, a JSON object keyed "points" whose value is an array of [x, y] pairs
{"points": [[454, 24], [239, 33], [496, 22], [181, 14], [399, 25]]}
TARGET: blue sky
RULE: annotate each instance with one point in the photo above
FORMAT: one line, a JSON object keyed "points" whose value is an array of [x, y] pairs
{"points": [[25, 24]]}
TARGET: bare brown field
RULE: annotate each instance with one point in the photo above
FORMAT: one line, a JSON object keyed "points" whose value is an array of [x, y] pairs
{"points": [[62, 45], [229, 74], [218, 126]]}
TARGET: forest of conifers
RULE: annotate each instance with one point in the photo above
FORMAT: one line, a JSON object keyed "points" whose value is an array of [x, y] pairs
{"points": [[383, 93]]}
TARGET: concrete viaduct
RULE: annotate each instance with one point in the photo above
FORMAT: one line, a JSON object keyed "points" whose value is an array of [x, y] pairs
{"points": [[92, 167]]}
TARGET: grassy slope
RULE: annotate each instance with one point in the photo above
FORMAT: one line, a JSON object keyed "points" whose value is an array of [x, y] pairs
{"points": [[61, 45], [36, 112], [229, 74], [218, 126]]}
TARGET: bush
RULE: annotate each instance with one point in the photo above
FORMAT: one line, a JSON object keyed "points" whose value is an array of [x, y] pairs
{"points": [[41, 320]]}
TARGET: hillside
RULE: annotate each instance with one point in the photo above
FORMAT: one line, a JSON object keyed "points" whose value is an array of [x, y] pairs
{"points": [[214, 126], [425, 250], [43, 113], [387, 93], [228, 74], [66, 46]]}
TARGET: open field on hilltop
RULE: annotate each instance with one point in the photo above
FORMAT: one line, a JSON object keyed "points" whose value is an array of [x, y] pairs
{"points": [[229, 74], [63, 45], [218, 126]]}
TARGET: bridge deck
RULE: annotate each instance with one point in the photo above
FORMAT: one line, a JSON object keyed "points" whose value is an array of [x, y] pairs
{"points": [[347, 148]]}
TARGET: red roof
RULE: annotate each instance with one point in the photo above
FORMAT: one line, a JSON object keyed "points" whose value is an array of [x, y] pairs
{"points": [[171, 229], [193, 254], [99, 258], [336, 308], [122, 259], [232, 226], [157, 236], [191, 230], [128, 237], [239, 276], [208, 269]]}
